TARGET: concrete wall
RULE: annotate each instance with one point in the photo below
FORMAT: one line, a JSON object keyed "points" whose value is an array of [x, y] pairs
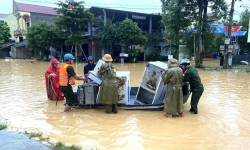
{"points": [[21, 53], [237, 58], [36, 17]]}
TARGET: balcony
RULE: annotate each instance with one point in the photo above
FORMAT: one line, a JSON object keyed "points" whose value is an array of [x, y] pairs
{"points": [[18, 33]]}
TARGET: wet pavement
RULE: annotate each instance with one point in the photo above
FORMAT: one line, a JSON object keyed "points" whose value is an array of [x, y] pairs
{"points": [[12, 140]]}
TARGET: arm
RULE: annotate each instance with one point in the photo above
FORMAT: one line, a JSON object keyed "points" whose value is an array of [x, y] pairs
{"points": [[77, 77], [51, 75], [85, 70], [166, 76], [185, 78], [72, 72]]}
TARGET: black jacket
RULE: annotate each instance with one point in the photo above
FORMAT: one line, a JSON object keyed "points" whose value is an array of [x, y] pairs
{"points": [[88, 68]]}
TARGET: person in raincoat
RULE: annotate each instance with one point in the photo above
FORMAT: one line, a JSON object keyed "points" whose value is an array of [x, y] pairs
{"points": [[109, 89], [174, 96], [52, 81]]}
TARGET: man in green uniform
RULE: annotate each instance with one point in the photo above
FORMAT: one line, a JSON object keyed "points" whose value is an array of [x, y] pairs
{"points": [[67, 78], [196, 87], [109, 90], [174, 96]]}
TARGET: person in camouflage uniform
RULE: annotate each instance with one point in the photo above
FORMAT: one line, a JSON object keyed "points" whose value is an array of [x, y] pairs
{"points": [[174, 96], [196, 87], [109, 89]]}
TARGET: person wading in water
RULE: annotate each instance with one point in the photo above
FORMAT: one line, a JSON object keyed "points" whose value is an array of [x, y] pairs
{"points": [[196, 87], [67, 78], [109, 89]]}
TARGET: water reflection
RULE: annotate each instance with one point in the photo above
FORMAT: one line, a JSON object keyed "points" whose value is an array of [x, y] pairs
{"points": [[222, 122]]}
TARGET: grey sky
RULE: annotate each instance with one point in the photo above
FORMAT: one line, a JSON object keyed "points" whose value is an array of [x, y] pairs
{"points": [[144, 6]]}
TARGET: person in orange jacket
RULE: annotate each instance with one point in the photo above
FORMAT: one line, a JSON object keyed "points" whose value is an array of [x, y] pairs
{"points": [[67, 78]]}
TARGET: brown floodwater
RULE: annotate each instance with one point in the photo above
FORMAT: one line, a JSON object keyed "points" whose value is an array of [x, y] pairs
{"points": [[223, 121]]}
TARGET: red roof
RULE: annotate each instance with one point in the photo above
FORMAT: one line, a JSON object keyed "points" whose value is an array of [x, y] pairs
{"points": [[3, 15], [35, 8]]}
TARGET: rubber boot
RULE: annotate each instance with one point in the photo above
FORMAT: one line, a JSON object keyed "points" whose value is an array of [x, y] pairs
{"points": [[108, 109], [114, 108]]}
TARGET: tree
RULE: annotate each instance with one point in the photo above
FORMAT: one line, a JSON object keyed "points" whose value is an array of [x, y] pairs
{"points": [[244, 21], [152, 44], [179, 14], [4, 32], [107, 35], [128, 33], [41, 36], [72, 20]]}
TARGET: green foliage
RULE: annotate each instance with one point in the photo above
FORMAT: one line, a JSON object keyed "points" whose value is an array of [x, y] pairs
{"points": [[107, 35], [4, 32], [244, 21], [179, 14], [154, 39], [153, 55], [3, 126], [134, 53], [33, 134], [128, 33], [61, 146], [175, 19], [72, 22], [41, 36]]}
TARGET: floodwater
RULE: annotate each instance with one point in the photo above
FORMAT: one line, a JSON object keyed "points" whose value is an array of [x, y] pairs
{"points": [[223, 121]]}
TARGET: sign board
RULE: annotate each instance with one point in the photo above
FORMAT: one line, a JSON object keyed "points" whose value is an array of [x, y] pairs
{"points": [[230, 47], [227, 40], [222, 47], [123, 55], [138, 17]]}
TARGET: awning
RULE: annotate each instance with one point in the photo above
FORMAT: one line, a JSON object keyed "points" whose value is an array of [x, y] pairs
{"points": [[239, 33], [6, 45]]}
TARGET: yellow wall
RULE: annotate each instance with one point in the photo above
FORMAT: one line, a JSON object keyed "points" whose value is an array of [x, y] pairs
{"points": [[23, 13], [12, 23]]}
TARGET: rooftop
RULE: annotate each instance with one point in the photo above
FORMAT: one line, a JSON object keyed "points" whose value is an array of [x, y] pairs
{"points": [[3, 15], [35, 8]]}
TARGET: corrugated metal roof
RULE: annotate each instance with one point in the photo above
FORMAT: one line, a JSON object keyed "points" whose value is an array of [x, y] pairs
{"points": [[21, 44]]}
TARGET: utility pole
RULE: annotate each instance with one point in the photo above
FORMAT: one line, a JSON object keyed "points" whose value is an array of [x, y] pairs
{"points": [[225, 63]]}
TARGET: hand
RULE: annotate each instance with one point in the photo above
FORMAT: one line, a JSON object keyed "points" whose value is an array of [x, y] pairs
{"points": [[162, 72], [53, 75]]}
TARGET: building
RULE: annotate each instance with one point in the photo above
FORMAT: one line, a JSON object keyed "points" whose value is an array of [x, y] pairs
{"points": [[2, 16], [149, 23], [22, 17], [26, 14]]}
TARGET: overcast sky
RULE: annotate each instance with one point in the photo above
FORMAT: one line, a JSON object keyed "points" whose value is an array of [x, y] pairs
{"points": [[144, 6]]}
